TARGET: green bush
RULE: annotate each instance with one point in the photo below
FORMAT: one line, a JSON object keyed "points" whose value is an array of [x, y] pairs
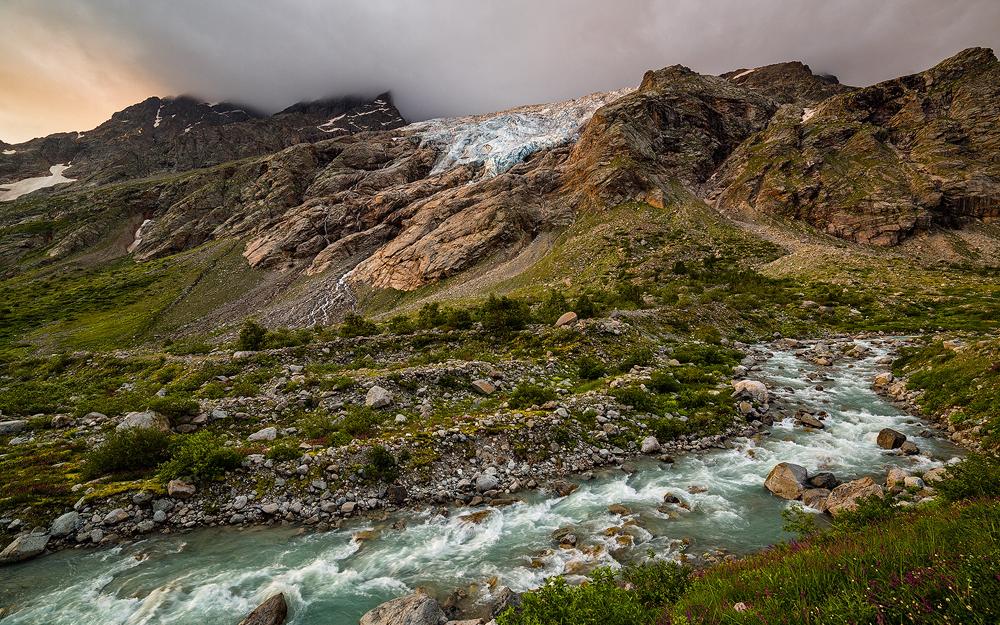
{"points": [[360, 421], [636, 357], [202, 456], [381, 466], [355, 325], [173, 406], [641, 400], [502, 315], [552, 308], [252, 336], [127, 451], [527, 395], [584, 307], [667, 429], [978, 475], [283, 451], [664, 382], [590, 368]]}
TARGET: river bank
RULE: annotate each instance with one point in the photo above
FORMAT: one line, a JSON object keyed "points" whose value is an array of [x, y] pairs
{"points": [[721, 508]]}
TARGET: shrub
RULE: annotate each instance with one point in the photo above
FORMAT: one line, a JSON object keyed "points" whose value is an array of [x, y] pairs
{"points": [[667, 429], [203, 456], [527, 395], [381, 465], [978, 475], [355, 325], [430, 316], [637, 357], [252, 336], [590, 368], [126, 451], [283, 452], [552, 308], [173, 406], [502, 315], [664, 382], [641, 400], [360, 421], [584, 307], [401, 324], [459, 319]]}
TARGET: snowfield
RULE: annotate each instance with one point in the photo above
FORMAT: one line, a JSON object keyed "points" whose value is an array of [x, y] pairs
{"points": [[498, 141], [15, 190]]}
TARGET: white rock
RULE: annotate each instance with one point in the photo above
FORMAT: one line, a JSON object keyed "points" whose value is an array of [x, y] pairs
{"points": [[149, 419], [378, 397], [267, 434], [650, 445]]}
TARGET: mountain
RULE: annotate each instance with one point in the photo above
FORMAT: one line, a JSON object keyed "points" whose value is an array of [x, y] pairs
{"points": [[334, 206], [176, 134]]}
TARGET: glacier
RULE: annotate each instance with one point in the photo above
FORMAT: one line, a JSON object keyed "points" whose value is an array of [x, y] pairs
{"points": [[499, 141]]}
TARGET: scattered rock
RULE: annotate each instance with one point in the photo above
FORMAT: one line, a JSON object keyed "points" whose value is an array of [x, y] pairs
{"points": [[149, 420], [274, 611], [895, 477], [650, 445], [12, 427], [180, 489], [845, 497], [24, 547], [824, 479], [486, 482], [816, 498], [889, 438], [786, 480], [415, 609], [65, 525], [936, 474], [267, 434], [378, 397], [566, 319], [484, 387], [116, 516]]}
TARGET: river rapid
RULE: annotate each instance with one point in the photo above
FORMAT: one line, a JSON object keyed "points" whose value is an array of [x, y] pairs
{"points": [[216, 576]]}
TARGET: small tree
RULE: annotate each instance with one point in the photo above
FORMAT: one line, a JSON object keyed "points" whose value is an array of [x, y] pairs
{"points": [[252, 336], [503, 314]]}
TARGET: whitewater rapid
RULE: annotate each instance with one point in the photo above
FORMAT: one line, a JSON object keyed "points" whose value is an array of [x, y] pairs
{"points": [[218, 575]]}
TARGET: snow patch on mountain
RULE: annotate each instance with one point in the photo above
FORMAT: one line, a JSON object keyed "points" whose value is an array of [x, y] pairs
{"points": [[9, 152], [499, 141], [15, 190], [744, 73]]}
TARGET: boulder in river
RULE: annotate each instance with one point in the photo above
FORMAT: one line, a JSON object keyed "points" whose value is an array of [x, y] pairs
{"points": [[889, 438], [909, 448], [786, 480], [824, 479], [24, 547], [752, 389], [274, 611], [816, 498], [846, 496], [415, 609], [809, 420]]}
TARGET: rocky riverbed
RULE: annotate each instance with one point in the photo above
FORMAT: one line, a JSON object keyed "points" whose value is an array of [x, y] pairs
{"points": [[481, 519]]}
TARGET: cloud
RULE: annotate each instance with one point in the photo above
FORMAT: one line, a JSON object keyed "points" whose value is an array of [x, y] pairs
{"points": [[451, 57]]}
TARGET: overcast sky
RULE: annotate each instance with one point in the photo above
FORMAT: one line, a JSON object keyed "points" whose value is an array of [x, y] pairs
{"points": [[68, 64]]}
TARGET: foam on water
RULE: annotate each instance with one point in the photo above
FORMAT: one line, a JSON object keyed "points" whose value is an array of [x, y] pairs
{"points": [[217, 576]]}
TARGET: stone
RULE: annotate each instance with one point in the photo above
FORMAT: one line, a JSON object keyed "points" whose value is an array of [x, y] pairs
{"points": [[266, 434], [65, 524], [179, 489], [816, 498], [566, 319], [348, 507], [889, 438], [414, 609], [273, 611], [484, 387], [269, 508], [786, 480], [824, 479], [159, 516], [913, 481], [895, 477], [486, 482], [909, 448], [650, 445], [12, 427], [883, 379], [61, 421], [752, 389], [24, 547], [846, 496], [148, 420], [396, 494], [378, 397], [808, 420], [116, 516], [936, 474]]}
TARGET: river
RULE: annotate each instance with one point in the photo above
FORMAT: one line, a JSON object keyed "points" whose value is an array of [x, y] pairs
{"points": [[216, 576]]}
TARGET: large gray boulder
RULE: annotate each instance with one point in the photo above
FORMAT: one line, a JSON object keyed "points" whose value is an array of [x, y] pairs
{"points": [[787, 480], [846, 496], [149, 419], [650, 445], [12, 427], [24, 547], [415, 609], [267, 434], [274, 611], [66, 524], [378, 397]]}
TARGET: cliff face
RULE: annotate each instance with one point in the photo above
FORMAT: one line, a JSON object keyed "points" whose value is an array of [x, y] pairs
{"points": [[878, 164]]}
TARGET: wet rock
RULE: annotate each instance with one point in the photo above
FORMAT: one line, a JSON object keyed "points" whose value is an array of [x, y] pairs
{"points": [[563, 488], [895, 478], [504, 598], [24, 547], [378, 397], [484, 387], [808, 420], [396, 494], [65, 524], [566, 319], [179, 489], [824, 479], [889, 438], [274, 611], [619, 509], [816, 498], [786, 480], [149, 420], [846, 496], [650, 445], [751, 389], [671, 498], [415, 609], [913, 481], [883, 379], [909, 448], [266, 434]]}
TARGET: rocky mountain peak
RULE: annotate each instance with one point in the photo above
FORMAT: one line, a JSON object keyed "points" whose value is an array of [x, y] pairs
{"points": [[788, 83]]}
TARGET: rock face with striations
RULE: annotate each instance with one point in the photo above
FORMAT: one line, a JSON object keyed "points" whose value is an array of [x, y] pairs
{"points": [[274, 611], [415, 609], [879, 164]]}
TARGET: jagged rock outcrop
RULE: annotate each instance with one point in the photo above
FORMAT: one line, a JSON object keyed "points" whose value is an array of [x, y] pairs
{"points": [[788, 83], [878, 164]]}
